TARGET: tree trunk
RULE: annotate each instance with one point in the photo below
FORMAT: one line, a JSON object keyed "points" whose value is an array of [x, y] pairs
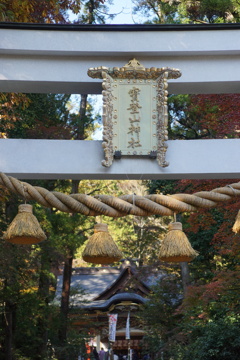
{"points": [[185, 276], [62, 333], [91, 8], [67, 272], [80, 135], [43, 293], [75, 185], [9, 325]]}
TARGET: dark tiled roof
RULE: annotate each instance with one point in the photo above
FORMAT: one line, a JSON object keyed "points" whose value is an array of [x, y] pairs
{"points": [[115, 299], [90, 284], [90, 280]]}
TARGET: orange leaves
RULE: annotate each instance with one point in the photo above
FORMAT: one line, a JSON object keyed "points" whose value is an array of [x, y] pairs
{"points": [[35, 11], [219, 219], [10, 99], [22, 10], [200, 220], [212, 291], [218, 115], [192, 186], [205, 116], [49, 131], [224, 240], [222, 291], [8, 104]]}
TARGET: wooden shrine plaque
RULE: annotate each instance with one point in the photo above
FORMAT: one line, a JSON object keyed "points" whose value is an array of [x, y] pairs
{"points": [[135, 112]]}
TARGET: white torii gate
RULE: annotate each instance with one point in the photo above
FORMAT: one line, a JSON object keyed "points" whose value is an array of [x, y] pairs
{"points": [[55, 59]]}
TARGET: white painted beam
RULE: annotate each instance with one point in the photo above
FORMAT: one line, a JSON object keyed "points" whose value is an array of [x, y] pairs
{"points": [[49, 60], [200, 74], [66, 159], [44, 59]]}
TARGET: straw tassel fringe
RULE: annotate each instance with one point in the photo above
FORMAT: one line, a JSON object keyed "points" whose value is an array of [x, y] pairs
{"points": [[175, 246], [25, 228], [100, 248]]}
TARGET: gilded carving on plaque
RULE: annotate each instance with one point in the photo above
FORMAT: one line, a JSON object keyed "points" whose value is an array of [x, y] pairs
{"points": [[135, 113]]}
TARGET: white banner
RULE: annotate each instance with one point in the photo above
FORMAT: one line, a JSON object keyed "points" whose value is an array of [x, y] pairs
{"points": [[128, 327], [112, 326]]}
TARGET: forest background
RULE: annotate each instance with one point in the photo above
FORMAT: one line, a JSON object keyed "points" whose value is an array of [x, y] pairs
{"points": [[199, 302]]}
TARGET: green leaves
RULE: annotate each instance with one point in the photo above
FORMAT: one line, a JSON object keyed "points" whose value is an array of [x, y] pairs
{"points": [[217, 340], [185, 11]]}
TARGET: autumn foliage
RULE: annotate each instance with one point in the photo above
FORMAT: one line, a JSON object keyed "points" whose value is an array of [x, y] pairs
{"points": [[217, 115], [35, 11], [210, 308], [211, 116]]}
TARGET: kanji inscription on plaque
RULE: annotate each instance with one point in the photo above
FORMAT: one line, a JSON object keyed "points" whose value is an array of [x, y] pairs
{"points": [[135, 113]]}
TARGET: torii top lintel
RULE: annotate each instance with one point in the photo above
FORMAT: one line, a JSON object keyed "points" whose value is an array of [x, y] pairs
{"points": [[55, 59]]}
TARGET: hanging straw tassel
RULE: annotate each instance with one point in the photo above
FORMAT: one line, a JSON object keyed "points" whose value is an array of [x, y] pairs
{"points": [[25, 228], [236, 226], [100, 248], [175, 246]]}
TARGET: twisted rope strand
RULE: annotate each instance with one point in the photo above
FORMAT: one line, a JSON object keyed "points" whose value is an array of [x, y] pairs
{"points": [[124, 205]]}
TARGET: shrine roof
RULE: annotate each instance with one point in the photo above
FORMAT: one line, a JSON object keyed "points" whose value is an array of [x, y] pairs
{"points": [[92, 281], [102, 285], [104, 305]]}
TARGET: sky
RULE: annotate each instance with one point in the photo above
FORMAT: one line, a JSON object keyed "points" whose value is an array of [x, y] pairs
{"points": [[124, 10]]}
